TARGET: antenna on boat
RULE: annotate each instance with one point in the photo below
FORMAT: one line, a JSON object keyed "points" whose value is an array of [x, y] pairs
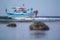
{"points": [[6, 10], [23, 5]]}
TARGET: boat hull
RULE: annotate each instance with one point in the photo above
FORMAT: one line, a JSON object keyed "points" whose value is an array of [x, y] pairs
{"points": [[21, 15]]}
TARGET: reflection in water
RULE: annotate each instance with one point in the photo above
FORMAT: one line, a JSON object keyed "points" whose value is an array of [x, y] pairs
{"points": [[38, 34]]}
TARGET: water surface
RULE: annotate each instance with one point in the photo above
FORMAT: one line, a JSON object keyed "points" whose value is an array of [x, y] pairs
{"points": [[22, 32]]}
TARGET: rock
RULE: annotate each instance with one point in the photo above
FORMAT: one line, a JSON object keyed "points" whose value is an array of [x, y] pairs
{"points": [[11, 25], [39, 26]]}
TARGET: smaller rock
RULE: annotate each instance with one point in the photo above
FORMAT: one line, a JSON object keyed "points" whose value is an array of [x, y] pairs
{"points": [[11, 25]]}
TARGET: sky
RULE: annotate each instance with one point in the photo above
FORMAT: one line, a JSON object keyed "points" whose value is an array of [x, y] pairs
{"points": [[45, 7]]}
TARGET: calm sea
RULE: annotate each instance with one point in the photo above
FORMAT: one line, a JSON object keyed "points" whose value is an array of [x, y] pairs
{"points": [[22, 31]]}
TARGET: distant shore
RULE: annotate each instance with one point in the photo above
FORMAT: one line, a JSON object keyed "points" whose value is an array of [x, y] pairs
{"points": [[38, 18]]}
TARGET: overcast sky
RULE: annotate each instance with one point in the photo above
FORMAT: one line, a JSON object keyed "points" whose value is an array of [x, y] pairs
{"points": [[45, 7]]}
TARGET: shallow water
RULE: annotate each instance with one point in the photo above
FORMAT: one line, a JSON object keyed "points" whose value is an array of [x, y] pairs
{"points": [[22, 32]]}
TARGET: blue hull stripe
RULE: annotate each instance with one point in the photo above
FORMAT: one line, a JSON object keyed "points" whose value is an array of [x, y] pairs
{"points": [[20, 14]]}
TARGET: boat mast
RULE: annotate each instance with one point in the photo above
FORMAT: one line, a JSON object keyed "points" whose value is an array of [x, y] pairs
{"points": [[6, 10]]}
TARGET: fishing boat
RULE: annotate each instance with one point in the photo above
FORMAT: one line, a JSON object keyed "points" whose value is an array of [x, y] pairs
{"points": [[21, 12]]}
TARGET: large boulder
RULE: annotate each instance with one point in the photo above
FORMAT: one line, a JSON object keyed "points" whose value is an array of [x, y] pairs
{"points": [[12, 25], [39, 26]]}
